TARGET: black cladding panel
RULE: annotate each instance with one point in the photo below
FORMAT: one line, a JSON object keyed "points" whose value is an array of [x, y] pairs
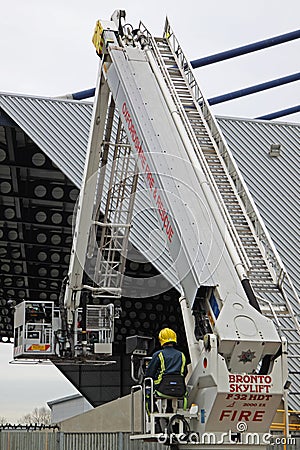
{"points": [[36, 214]]}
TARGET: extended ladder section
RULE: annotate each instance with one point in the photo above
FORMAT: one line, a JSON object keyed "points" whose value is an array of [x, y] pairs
{"points": [[116, 191], [104, 209], [100, 241], [269, 279]]}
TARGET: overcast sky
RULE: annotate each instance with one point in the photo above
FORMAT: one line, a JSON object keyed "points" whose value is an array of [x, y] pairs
{"points": [[24, 387], [46, 47], [46, 50]]}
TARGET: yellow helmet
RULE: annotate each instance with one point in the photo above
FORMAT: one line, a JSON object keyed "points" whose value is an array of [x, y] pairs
{"points": [[167, 335]]}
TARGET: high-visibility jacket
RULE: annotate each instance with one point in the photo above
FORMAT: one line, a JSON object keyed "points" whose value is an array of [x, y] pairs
{"points": [[168, 360]]}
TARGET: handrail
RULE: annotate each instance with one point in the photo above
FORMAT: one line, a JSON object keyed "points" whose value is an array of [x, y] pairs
{"points": [[134, 389], [286, 426], [275, 263]]}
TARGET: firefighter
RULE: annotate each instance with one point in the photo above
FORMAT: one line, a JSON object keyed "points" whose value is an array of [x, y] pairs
{"points": [[167, 361]]}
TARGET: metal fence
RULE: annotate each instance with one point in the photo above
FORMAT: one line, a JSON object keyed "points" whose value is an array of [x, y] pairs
{"points": [[55, 440], [29, 440]]}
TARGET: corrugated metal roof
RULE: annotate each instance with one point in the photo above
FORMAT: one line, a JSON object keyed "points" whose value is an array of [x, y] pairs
{"points": [[59, 127], [272, 181]]}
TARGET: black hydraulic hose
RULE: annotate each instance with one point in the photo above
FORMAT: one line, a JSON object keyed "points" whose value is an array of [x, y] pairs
{"points": [[83, 316], [250, 294], [181, 418], [61, 305]]}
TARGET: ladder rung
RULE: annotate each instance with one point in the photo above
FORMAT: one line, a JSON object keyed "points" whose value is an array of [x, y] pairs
{"points": [[112, 225]]}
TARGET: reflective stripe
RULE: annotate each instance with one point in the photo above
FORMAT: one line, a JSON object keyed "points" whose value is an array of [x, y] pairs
{"points": [[148, 403], [183, 364], [162, 368]]}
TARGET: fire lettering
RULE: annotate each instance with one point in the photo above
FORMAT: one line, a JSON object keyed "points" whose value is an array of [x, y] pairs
{"points": [[149, 176], [246, 416]]}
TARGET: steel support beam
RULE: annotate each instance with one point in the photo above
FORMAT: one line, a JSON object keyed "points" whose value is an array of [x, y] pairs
{"points": [[228, 54], [253, 89]]}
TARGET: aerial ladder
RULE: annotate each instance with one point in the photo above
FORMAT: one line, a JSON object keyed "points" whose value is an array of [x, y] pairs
{"points": [[151, 121]]}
